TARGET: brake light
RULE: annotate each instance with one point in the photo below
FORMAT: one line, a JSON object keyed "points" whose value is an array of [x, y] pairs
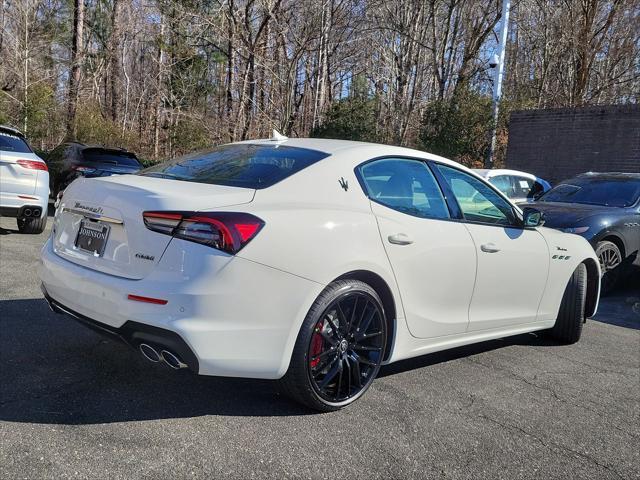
{"points": [[33, 165], [226, 231]]}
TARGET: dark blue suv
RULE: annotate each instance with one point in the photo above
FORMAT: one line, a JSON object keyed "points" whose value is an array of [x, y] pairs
{"points": [[604, 208]]}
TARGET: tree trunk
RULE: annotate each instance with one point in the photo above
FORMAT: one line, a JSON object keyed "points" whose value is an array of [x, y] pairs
{"points": [[159, 94], [115, 58], [76, 57]]}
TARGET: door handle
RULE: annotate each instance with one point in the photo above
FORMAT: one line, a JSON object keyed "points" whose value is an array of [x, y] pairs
{"points": [[400, 239], [489, 248]]}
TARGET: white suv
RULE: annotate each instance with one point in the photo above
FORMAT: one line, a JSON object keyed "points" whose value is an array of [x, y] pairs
{"points": [[24, 182]]}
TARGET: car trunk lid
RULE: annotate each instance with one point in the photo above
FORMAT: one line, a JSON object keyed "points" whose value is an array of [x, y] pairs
{"points": [[112, 207]]}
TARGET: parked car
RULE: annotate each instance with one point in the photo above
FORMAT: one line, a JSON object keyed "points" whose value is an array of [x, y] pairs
{"points": [[312, 261], [72, 160], [24, 182], [604, 208], [520, 187]]}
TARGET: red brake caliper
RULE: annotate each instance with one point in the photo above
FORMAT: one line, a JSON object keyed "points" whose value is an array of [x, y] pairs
{"points": [[316, 344]]}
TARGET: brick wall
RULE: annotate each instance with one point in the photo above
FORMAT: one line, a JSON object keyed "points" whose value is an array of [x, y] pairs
{"points": [[556, 144]]}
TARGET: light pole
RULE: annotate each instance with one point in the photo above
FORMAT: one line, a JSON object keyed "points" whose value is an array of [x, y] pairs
{"points": [[498, 65]]}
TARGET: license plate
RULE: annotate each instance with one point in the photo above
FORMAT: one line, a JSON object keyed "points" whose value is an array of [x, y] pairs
{"points": [[92, 237]]}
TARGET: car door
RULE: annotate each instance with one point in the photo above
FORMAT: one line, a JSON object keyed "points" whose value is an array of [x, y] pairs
{"points": [[513, 262], [433, 258]]}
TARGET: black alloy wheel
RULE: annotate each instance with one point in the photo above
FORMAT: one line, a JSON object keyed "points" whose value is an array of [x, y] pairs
{"points": [[346, 348], [340, 347]]}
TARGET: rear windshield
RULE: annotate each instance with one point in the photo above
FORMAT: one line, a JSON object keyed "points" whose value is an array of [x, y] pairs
{"points": [[13, 143], [114, 157], [239, 165], [622, 192]]}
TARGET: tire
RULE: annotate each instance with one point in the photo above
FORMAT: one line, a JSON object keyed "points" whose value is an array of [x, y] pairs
{"points": [[610, 258], [568, 327], [339, 348], [32, 225]]}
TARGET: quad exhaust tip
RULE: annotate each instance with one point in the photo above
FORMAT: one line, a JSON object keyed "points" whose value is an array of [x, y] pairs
{"points": [[31, 212], [171, 359], [150, 353]]}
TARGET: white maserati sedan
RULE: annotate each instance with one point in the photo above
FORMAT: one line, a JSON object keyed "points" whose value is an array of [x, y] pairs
{"points": [[311, 261]]}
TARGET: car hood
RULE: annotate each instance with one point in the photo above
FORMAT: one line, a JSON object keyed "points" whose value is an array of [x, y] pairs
{"points": [[569, 214]]}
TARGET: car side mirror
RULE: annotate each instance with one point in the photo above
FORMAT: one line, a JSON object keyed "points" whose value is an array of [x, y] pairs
{"points": [[532, 217]]}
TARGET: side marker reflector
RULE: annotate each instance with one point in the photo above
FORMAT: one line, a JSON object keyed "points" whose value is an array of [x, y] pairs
{"points": [[138, 298]]}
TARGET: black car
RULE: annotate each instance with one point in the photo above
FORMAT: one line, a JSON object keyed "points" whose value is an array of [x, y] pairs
{"points": [[604, 208], [69, 161]]}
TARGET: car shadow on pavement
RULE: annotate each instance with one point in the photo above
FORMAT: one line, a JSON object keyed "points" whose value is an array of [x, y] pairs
{"points": [[8, 231], [54, 371], [622, 306]]}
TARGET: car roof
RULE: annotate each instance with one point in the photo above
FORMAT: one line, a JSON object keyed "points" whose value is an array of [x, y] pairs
{"points": [[12, 130], [84, 146], [609, 175], [332, 146], [488, 173]]}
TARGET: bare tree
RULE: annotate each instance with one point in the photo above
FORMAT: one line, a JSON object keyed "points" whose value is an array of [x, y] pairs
{"points": [[76, 67]]}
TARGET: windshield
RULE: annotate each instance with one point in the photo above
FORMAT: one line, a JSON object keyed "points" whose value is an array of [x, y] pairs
{"points": [[13, 143], [115, 157], [239, 165], [622, 192]]}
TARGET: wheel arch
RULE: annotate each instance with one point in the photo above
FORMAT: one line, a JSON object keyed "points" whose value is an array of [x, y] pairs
{"points": [[593, 287], [388, 302], [616, 240]]}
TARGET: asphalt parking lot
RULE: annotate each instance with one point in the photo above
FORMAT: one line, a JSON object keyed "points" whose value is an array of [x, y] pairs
{"points": [[74, 405]]}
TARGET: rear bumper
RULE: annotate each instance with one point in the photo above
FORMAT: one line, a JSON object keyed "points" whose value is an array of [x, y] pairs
{"points": [[13, 204], [132, 333], [239, 318], [25, 211]]}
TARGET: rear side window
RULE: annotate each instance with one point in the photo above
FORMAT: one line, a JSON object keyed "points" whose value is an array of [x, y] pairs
{"points": [[114, 157], [405, 185], [13, 143], [239, 165], [522, 187]]}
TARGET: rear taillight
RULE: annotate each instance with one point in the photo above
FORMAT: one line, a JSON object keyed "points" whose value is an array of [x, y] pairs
{"points": [[33, 165], [226, 231]]}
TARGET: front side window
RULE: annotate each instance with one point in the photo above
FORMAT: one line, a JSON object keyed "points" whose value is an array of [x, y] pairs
{"points": [[240, 165], [503, 183], [405, 185], [478, 202]]}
